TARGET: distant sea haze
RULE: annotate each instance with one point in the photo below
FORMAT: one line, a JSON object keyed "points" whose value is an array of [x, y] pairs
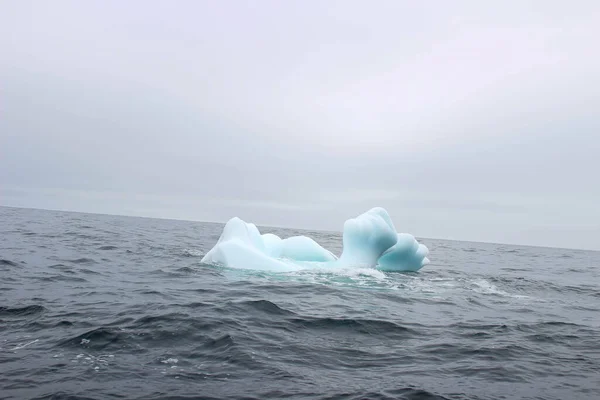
{"points": [[98, 306]]}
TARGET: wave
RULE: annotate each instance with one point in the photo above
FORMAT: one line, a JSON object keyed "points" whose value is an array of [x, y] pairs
{"points": [[107, 248], [263, 306], [96, 339], [22, 311], [354, 326]]}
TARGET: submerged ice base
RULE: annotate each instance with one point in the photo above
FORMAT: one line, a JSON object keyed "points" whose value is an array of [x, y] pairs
{"points": [[369, 240]]}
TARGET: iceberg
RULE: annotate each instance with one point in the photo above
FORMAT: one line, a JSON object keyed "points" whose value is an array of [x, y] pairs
{"points": [[406, 255], [367, 237], [298, 248], [369, 240], [241, 246], [302, 248]]}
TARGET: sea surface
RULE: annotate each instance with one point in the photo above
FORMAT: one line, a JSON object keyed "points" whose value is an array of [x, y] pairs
{"points": [[101, 307]]}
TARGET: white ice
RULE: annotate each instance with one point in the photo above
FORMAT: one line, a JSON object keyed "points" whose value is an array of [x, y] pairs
{"points": [[406, 255], [369, 240], [241, 246], [298, 248], [367, 237]]}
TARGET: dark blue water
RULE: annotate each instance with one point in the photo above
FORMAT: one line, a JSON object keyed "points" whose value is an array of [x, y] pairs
{"points": [[101, 307]]}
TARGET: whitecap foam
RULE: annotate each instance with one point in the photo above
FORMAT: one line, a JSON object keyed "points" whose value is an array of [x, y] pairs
{"points": [[482, 286]]}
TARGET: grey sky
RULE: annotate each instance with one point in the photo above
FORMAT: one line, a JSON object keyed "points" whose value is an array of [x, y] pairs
{"points": [[466, 120]]}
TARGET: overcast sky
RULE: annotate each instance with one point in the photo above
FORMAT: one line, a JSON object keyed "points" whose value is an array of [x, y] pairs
{"points": [[469, 120]]}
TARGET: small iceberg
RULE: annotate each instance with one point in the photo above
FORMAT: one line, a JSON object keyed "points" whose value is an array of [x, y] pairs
{"points": [[369, 241]]}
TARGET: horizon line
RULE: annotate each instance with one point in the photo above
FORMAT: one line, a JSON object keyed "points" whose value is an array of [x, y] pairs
{"points": [[286, 227]]}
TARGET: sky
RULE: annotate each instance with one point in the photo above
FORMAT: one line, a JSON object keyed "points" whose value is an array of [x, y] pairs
{"points": [[466, 120]]}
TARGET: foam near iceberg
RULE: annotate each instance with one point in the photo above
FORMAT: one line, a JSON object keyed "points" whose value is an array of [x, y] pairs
{"points": [[369, 240]]}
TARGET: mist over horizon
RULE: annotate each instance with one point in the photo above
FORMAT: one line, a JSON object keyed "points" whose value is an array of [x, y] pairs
{"points": [[297, 228]]}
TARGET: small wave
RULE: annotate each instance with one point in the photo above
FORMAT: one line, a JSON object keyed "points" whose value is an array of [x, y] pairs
{"points": [[8, 263], [555, 323], [60, 278], [50, 322], [158, 319], [221, 343], [484, 287], [186, 270], [79, 235], [226, 350], [192, 253], [456, 351], [159, 271], [363, 326], [511, 251], [552, 338], [20, 311], [196, 304], [60, 395], [538, 329], [582, 289], [407, 393], [593, 308], [97, 339], [264, 306], [23, 345], [107, 248], [61, 267], [494, 373], [83, 261], [482, 327], [151, 292], [89, 271], [475, 302], [513, 269]]}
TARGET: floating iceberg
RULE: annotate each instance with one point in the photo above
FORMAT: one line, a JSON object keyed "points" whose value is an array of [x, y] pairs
{"points": [[369, 240], [406, 255], [367, 237]]}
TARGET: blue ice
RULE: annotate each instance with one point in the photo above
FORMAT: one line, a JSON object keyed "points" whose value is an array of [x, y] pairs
{"points": [[369, 240]]}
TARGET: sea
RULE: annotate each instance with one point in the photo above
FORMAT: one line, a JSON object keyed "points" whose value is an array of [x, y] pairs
{"points": [[113, 307]]}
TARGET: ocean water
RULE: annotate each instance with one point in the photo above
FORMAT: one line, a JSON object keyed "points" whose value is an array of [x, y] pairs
{"points": [[98, 307]]}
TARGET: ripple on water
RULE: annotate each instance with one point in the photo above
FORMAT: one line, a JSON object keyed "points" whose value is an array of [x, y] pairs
{"points": [[10, 315], [107, 248]]}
